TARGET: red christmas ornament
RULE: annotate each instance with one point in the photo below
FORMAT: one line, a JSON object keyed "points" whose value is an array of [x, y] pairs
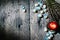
{"points": [[53, 25]]}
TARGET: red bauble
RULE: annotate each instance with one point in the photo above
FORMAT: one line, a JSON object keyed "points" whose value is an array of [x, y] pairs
{"points": [[53, 25]]}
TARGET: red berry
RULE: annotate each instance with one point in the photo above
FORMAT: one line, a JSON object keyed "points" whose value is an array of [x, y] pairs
{"points": [[53, 25]]}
